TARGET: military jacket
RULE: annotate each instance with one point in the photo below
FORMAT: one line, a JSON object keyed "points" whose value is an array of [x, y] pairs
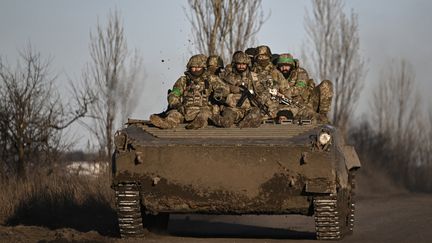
{"points": [[235, 79], [270, 77], [189, 91], [251, 81], [300, 86]]}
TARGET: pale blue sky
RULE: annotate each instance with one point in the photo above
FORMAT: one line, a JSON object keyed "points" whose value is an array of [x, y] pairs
{"points": [[60, 29]]}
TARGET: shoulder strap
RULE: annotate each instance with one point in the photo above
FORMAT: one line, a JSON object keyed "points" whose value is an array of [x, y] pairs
{"points": [[254, 76]]}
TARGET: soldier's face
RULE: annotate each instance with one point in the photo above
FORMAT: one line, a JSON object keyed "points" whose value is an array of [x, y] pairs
{"points": [[241, 67], [284, 68], [196, 71], [212, 69], [263, 60]]}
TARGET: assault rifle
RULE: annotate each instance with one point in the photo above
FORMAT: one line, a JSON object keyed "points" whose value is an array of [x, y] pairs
{"points": [[249, 94], [282, 99]]}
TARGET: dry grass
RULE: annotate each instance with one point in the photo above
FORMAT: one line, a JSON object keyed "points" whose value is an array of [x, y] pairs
{"points": [[58, 200]]}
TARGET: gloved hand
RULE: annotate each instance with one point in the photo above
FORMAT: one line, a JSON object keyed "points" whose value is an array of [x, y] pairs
{"points": [[218, 94]]}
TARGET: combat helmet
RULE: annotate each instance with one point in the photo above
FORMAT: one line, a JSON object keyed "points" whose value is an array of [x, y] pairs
{"points": [[263, 56], [215, 61], [241, 57], [199, 60], [263, 50]]}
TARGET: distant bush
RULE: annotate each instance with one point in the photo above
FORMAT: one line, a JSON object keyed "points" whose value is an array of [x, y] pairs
{"points": [[407, 161], [55, 199]]}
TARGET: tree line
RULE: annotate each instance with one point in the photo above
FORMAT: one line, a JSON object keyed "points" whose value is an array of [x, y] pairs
{"points": [[33, 114]]}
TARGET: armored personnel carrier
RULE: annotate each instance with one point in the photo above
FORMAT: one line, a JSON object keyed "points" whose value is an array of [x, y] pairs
{"points": [[291, 168]]}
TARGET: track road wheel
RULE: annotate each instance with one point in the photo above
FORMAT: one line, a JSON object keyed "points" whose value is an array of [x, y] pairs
{"points": [[331, 217], [351, 203], [129, 210]]}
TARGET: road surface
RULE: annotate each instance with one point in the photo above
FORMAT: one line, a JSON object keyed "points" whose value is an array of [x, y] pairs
{"points": [[393, 218]]}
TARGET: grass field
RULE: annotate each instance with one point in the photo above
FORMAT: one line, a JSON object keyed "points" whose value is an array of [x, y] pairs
{"points": [[57, 199]]}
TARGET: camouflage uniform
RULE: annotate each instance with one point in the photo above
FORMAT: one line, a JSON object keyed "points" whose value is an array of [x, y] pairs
{"points": [[269, 77], [215, 65], [303, 92], [322, 97], [232, 113], [190, 99]]}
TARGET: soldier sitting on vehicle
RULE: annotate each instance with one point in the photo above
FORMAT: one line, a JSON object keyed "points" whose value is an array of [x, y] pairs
{"points": [[269, 77], [191, 98], [307, 100], [244, 104], [215, 65]]}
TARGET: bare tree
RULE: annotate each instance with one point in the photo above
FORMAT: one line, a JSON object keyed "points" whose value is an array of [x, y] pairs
{"points": [[398, 134], [32, 113], [113, 75], [334, 49], [396, 111], [396, 104], [221, 27]]}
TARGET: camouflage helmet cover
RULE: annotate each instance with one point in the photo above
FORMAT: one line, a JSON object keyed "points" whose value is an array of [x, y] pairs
{"points": [[215, 61], [263, 50], [199, 60], [241, 57]]}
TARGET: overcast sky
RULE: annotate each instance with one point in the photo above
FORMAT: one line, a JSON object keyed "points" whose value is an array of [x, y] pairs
{"points": [[159, 29]]}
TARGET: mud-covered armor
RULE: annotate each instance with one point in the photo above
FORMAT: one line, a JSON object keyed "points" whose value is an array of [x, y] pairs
{"points": [[304, 169], [277, 169]]}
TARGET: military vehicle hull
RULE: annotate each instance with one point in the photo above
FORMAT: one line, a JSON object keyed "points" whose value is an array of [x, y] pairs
{"points": [[274, 169]]}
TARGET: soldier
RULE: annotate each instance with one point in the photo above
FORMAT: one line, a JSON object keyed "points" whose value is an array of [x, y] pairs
{"points": [[267, 73], [269, 76], [189, 100], [312, 102], [240, 110], [215, 65]]}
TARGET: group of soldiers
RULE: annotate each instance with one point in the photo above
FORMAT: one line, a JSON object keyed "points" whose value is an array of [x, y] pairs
{"points": [[255, 87]]}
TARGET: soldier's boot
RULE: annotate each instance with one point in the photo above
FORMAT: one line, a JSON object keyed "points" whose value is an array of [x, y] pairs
{"points": [[216, 120], [325, 97], [307, 114], [199, 122], [252, 119], [228, 118], [164, 123]]}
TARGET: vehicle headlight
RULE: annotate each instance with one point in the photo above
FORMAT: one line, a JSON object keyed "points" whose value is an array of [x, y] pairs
{"points": [[324, 138]]}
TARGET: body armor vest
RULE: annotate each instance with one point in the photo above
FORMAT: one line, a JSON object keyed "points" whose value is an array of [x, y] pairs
{"points": [[196, 93]]}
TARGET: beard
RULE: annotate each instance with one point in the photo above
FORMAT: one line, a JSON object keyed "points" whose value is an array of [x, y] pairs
{"points": [[241, 70], [286, 74]]}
